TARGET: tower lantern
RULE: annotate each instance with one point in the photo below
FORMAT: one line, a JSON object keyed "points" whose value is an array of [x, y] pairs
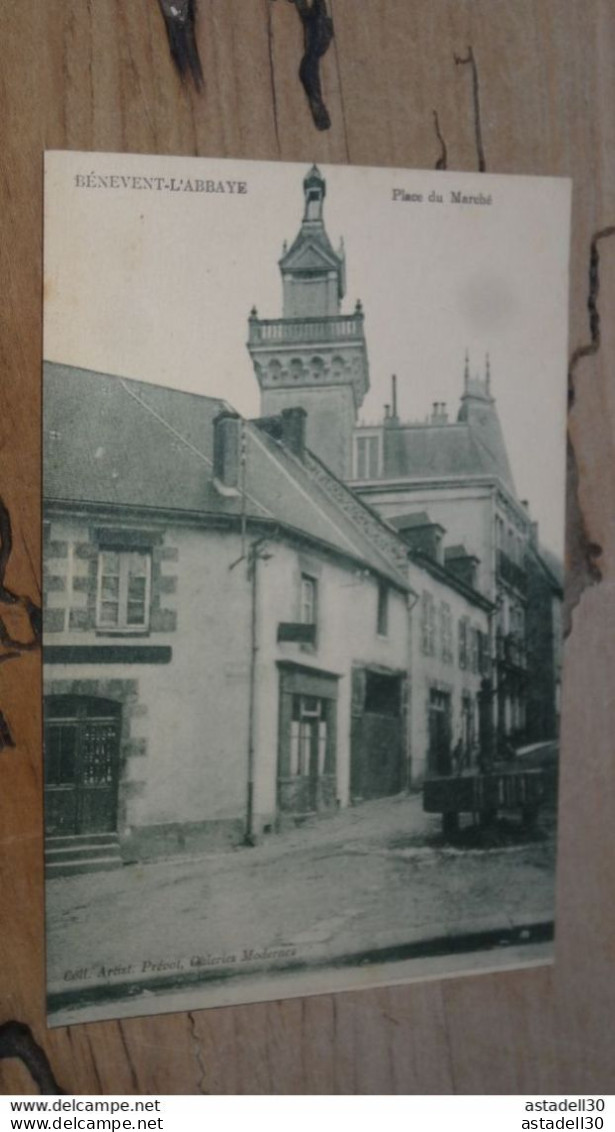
{"points": [[315, 356], [315, 189]]}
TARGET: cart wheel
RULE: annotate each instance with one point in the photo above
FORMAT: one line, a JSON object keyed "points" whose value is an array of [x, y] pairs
{"points": [[450, 825], [529, 817], [487, 818]]}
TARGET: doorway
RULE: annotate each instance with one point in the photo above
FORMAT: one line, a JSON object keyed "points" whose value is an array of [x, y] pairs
{"points": [[377, 746], [81, 744], [308, 745], [439, 758], [307, 775]]}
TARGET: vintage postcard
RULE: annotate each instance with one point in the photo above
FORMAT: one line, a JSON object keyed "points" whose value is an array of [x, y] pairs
{"points": [[304, 434]]}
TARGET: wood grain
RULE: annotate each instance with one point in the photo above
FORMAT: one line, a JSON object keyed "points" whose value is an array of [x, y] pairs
{"points": [[97, 75]]}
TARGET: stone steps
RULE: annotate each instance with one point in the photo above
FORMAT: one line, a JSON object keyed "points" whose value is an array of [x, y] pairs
{"points": [[82, 853]]}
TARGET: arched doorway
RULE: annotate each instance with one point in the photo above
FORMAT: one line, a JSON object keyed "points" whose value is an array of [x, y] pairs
{"points": [[82, 743]]}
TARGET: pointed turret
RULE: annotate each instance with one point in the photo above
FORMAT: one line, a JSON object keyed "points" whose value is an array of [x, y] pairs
{"points": [[314, 356], [478, 410], [313, 273], [315, 189]]}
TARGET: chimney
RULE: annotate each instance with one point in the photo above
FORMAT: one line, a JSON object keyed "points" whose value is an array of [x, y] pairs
{"points": [[293, 430], [227, 451], [439, 414], [394, 397]]}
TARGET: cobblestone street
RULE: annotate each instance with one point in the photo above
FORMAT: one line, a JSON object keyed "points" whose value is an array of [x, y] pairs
{"points": [[371, 878]]}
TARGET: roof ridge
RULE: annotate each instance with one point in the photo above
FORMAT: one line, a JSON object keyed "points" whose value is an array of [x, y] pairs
{"points": [[188, 443], [495, 456], [357, 502], [263, 445], [135, 381]]}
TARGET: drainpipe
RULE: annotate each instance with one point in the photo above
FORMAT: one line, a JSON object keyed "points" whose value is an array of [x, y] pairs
{"points": [[412, 600], [253, 560]]}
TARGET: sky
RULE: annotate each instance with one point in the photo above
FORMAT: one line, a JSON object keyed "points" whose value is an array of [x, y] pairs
{"points": [[150, 276]]}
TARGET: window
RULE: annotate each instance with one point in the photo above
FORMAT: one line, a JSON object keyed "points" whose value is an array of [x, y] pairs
{"points": [[428, 624], [309, 600], [463, 643], [475, 650], [382, 623], [483, 652], [382, 694], [123, 597], [367, 457], [446, 633], [308, 737]]}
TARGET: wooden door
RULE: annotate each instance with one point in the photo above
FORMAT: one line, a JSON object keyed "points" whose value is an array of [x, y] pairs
{"points": [[440, 733], [376, 737], [82, 737]]}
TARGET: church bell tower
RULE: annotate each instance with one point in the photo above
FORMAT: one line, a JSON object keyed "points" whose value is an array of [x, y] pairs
{"points": [[314, 356]]}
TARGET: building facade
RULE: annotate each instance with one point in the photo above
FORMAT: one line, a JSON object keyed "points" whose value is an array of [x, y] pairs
{"points": [[455, 471], [206, 631]]}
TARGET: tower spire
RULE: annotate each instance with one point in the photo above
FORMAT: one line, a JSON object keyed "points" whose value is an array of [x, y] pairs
{"points": [[466, 373], [314, 357], [315, 189], [487, 373]]}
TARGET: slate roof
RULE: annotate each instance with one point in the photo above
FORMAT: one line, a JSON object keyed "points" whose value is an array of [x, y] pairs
{"points": [[113, 441], [413, 520], [456, 583], [426, 451], [458, 551], [312, 249]]}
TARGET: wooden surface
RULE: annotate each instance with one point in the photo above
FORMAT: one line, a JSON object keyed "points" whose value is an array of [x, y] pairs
{"points": [[96, 74]]}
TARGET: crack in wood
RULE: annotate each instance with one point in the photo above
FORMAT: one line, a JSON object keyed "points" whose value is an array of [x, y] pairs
{"points": [[591, 347], [442, 162], [317, 36], [470, 61], [17, 1040], [583, 552], [180, 21], [274, 97], [198, 1053]]}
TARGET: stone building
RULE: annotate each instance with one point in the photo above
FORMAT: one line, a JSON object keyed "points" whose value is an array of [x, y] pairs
{"points": [[454, 470], [457, 471], [545, 592], [449, 629], [213, 599]]}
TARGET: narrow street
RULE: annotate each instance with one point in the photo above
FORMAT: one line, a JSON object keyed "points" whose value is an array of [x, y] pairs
{"points": [[371, 879]]}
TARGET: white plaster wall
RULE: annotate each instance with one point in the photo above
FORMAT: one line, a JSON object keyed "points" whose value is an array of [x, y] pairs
{"points": [[197, 707], [429, 672], [466, 513], [347, 624]]}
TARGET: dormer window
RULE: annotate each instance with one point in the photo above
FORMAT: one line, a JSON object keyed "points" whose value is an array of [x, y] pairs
{"points": [[367, 456]]}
